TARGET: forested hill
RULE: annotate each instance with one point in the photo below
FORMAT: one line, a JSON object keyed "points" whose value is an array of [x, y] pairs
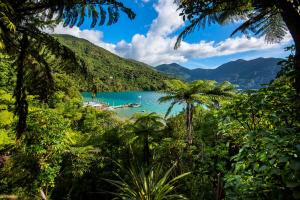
{"points": [[109, 72], [246, 74]]}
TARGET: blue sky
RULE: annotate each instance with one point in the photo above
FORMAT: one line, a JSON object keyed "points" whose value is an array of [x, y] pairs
{"points": [[150, 38]]}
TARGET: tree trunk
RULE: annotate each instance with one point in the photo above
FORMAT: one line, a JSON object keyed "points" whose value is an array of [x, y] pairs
{"points": [[189, 123], [146, 150], [292, 20], [43, 195], [20, 91]]}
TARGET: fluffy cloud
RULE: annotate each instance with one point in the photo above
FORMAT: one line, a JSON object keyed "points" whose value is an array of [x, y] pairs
{"points": [[229, 46], [157, 46], [92, 36], [156, 50], [167, 20]]}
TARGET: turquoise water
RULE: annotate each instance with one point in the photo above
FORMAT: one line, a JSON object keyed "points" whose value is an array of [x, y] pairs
{"points": [[148, 100]]}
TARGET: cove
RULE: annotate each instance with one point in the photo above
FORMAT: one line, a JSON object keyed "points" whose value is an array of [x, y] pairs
{"points": [[147, 99]]}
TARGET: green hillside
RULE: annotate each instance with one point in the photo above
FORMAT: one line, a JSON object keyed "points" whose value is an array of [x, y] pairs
{"points": [[109, 72]]}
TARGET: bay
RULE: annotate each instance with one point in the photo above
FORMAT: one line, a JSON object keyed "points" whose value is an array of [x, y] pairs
{"points": [[147, 99]]}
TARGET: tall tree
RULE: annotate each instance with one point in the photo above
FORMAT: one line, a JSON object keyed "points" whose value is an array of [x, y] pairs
{"points": [[198, 92], [21, 22], [144, 126], [272, 19]]}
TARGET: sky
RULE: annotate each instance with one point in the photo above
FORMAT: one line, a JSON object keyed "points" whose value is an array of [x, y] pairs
{"points": [[151, 36]]}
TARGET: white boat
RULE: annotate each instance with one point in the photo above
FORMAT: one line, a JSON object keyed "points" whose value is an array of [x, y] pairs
{"points": [[134, 105]]}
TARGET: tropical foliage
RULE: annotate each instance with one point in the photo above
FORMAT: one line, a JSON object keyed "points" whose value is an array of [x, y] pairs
{"points": [[245, 144], [205, 93], [21, 26], [150, 184]]}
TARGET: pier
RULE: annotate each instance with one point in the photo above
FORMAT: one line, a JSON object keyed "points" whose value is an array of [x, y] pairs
{"points": [[104, 106]]}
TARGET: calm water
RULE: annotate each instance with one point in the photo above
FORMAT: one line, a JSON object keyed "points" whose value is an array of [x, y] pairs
{"points": [[148, 100]]}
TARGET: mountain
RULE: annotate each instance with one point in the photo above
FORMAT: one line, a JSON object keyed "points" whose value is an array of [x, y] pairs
{"points": [[176, 70], [110, 72], [246, 74]]}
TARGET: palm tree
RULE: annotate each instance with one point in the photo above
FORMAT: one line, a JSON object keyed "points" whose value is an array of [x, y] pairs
{"points": [[272, 19], [221, 91], [21, 37], [143, 127], [202, 92]]}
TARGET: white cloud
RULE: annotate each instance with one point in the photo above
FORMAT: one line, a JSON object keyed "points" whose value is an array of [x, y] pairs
{"points": [[157, 46], [92, 36], [167, 20], [156, 50], [229, 46]]}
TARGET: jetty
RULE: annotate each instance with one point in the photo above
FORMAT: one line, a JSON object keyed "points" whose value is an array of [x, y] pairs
{"points": [[104, 106], [100, 106]]}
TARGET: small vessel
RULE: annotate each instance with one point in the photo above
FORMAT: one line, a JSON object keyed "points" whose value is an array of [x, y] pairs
{"points": [[134, 105], [140, 97]]}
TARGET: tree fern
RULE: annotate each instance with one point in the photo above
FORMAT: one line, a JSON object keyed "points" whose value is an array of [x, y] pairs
{"points": [[262, 18], [201, 92], [21, 23]]}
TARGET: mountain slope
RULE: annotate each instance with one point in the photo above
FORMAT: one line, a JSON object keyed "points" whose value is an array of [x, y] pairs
{"points": [[175, 70], [246, 74], [109, 72]]}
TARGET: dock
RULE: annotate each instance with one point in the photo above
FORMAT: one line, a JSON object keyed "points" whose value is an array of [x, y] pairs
{"points": [[104, 106]]}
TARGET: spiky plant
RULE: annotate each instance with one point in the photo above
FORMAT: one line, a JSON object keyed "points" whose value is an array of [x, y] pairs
{"points": [[155, 184]]}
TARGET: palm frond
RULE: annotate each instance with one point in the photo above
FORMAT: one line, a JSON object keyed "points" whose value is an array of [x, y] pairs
{"points": [[201, 99], [260, 18], [274, 29], [203, 86], [170, 108], [167, 98], [174, 85], [74, 10], [187, 30], [147, 123], [40, 77]]}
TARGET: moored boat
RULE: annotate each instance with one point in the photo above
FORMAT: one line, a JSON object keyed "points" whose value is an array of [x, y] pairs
{"points": [[134, 105]]}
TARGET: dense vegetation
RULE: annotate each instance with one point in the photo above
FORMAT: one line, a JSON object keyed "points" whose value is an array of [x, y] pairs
{"points": [[225, 145], [245, 74], [245, 146], [108, 72]]}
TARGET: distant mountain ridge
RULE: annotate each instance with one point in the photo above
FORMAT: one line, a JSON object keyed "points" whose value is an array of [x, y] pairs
{"points": [[246, 74]]}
